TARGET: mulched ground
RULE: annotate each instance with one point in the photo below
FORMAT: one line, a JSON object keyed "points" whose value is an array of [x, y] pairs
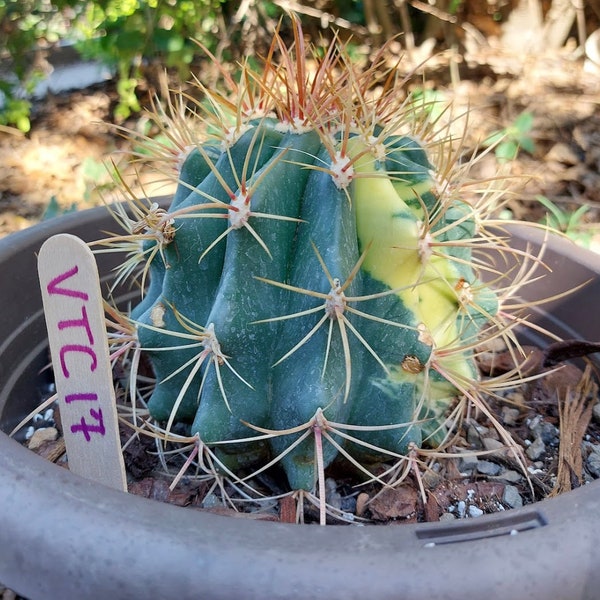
{"points": [[554, 422], [64, 162]]}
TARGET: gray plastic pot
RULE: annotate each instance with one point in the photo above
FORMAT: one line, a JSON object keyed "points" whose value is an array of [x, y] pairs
{"points": [[62, 536]]}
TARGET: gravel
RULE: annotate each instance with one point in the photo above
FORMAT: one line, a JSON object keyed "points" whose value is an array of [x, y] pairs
{"points": [[511, 497], [536, 449]]}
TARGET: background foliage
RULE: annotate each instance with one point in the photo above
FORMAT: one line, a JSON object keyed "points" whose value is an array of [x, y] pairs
{"points": [[138, 39], [126, 35]]}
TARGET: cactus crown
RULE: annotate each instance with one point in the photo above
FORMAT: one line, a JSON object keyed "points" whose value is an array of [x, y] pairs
{"points": [[315, 287]]}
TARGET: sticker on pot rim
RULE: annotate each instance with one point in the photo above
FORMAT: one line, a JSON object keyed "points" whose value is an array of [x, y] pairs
{"points": [[78, 345]]}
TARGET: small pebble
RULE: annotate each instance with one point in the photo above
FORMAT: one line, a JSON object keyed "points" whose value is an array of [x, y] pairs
{"points": [[474, 437], [492, 433], [536, 450], [516, 397], [535, 471], [467, 463], [348, 504], [447, 516], [511, 497], [509, 476], [475, 511], [596, 412], [431, 479], [211, 501], [486, 467], [49, 389], [492, 444], [546, 432], [40, 436], [331, 494], [510, 415], [592, 464]]}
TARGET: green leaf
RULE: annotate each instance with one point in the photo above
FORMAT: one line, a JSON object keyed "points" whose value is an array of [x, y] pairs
{"points": [[527, 144], [54, 209], [577, 216], [168, 41], [524, 122], [129, 41], [507, 151], [494, 138], [556, 217], [23, 123], [93, 169]]}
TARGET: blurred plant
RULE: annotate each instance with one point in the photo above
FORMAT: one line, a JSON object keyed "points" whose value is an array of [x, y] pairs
{"points": [[431, 101], [54, 209], [509, 141], [26, 28], [130, 35], [570, 223], [99, 177], [16, 110], [138, 38]]}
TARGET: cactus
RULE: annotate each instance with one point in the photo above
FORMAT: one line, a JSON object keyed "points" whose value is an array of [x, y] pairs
{"points": [[314, 292]]}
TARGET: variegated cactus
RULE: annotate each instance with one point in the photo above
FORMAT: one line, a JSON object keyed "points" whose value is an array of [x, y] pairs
{"points": [[313, 291]]}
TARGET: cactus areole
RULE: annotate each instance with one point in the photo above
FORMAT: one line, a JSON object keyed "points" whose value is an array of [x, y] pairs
{"points": [[314, 291]]}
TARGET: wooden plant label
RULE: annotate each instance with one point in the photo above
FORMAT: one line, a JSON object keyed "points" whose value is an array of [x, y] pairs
{"points": [[79, 349]]}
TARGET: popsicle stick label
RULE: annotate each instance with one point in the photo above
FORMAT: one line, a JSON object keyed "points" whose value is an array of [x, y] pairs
{"points": [[80, 357]]}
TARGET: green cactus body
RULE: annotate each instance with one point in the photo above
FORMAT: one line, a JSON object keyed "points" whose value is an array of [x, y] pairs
{"points": [[155, 273], [317, 370], [181, 284], [317, 281], [194, 169], [242, 299]]}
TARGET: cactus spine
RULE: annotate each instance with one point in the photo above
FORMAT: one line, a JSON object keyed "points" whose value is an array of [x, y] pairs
{"points": [[317, 295]]}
